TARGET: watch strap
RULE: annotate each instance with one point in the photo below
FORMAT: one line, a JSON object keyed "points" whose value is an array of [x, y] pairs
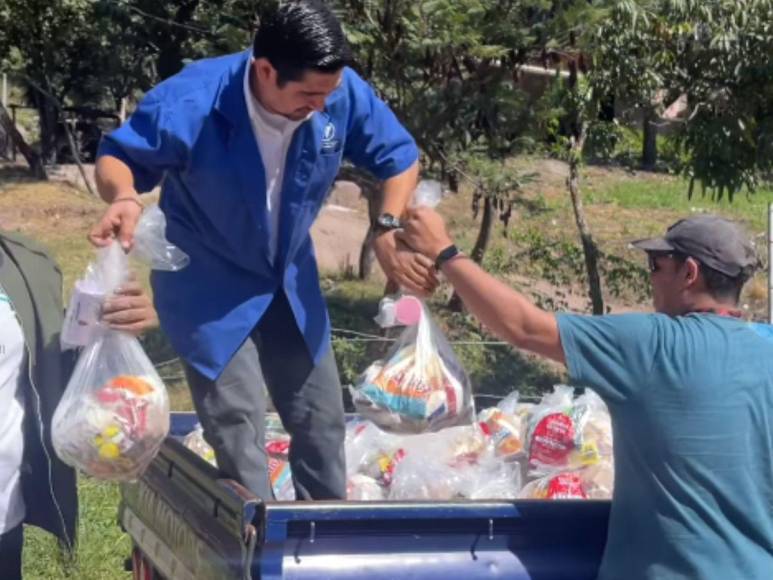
{"points": [[446, 254]]}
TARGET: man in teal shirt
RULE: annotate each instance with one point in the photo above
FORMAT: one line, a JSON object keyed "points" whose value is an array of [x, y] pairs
{"points": [[689, 389]]}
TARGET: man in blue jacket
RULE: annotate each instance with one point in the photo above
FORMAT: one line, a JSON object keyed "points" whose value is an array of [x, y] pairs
{"points": [[248, 146]]}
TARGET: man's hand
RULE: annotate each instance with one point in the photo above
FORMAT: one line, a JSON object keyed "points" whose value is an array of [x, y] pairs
{"points": [[119, 220], [412, 271], [425, 232], [130, 310]]}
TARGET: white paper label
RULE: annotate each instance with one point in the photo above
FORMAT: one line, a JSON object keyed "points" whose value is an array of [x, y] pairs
{"points": [[82, 318]]}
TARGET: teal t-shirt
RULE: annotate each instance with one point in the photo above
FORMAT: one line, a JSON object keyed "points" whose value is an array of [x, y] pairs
{"points": [[691, 400]]}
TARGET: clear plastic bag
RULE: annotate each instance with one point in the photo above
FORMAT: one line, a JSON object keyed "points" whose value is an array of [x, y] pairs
{"points": [[555, 432], [195, 442], [114, 413], [428, 193], [556, 485], [567, 433], [504, 427], [452, 464], [420, 386], [372, 452], [151, 245], [85, 308], [360, 487]]}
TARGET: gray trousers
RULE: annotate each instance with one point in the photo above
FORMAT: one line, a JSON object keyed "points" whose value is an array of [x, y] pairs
{"points": [[307, 397]]}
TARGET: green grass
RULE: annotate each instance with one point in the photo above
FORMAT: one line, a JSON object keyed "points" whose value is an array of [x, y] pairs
{"points": [[102, 546], [671, 194]]}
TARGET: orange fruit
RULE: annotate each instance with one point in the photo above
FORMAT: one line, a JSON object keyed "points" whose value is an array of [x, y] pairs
{"points": [[131, 383]]}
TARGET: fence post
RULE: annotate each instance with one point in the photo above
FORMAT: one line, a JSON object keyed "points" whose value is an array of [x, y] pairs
{"points": [[13, 141], [4, 97], [770, 263]]}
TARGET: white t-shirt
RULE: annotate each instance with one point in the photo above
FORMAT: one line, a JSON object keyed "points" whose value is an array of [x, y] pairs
{"points": [[12, 360], [273, 134]]}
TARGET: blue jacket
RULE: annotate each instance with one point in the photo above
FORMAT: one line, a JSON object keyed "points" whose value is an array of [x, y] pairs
{"points": [[193, 130]]}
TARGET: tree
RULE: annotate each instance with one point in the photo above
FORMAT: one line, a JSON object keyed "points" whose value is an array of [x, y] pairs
{"points": [[42, 43], [566, 33], [495, 188], [448, 69], [720, 59], [714, 53], [29, 154]]}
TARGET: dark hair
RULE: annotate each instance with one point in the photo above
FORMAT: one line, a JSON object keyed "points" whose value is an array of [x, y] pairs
{"points": [[722, 287], [299, 36]]}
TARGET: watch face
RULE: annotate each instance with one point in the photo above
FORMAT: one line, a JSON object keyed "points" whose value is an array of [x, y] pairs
{"points": [[388, 221]]}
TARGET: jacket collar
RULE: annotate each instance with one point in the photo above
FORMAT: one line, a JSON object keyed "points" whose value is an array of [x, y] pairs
{"points": [[14, 270], [229, 101]]}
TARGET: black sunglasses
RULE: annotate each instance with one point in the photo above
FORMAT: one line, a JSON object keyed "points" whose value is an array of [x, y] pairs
{"points": [[652, 259]]}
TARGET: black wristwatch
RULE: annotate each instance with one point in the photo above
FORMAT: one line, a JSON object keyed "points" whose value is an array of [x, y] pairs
{"points": [[386, 222], [450, 252]]}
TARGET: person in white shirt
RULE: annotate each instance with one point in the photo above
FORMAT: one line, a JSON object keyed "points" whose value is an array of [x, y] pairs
{"points": [[36, 488]]}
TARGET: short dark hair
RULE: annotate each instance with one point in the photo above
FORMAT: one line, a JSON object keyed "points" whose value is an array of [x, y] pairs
{"points": [[301, 35], [722, 287]]}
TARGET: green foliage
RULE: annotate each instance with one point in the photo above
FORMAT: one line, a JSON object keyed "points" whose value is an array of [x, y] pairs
{"points": [[448, 69], [668, 194], [713, 53], [493, 180], [561, 263]]}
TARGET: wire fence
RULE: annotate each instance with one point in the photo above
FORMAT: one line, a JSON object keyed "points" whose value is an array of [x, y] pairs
{"points": [[343, 335]]}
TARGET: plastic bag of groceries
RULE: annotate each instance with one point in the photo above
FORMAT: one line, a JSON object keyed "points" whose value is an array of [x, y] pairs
{"points": [[593, 482], [371, 458], [505, 428], [277, 450], [556, 485], [195, 442], [455, 463], [114, 413], [567, 433], [419, 386], [554, 435], [280, 476]]}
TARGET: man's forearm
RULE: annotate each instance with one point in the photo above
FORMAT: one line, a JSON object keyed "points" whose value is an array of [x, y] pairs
{"points": [[399, 189], [114, 179], [505, 312]]}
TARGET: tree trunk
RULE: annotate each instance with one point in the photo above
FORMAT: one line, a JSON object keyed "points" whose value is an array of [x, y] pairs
{"points": [[76, 156], [373, 193], [480, 247], [649, 154], [47, 115], [589, 248], [30, 155]]}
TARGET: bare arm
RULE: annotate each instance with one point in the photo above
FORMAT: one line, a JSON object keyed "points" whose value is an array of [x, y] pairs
{"points": [[114, 178], [505, 312], [115, 183]]}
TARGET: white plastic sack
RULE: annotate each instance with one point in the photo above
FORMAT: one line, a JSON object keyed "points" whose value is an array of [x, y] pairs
{"points": [[115, 411], [420, 385]]}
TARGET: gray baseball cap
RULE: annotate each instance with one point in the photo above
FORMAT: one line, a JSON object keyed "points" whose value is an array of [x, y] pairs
{"points": [[714, 241]]}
